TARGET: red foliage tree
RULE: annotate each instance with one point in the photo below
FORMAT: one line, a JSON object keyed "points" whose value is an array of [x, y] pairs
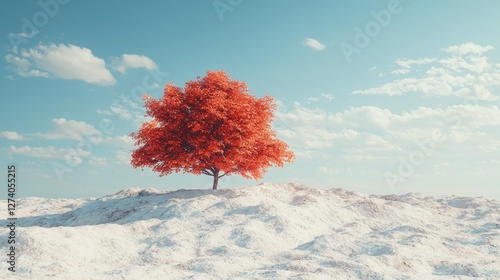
{"points": [[213, 126]]}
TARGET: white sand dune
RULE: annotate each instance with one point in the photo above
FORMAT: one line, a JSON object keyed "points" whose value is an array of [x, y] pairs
{"points": [[280, 231]]}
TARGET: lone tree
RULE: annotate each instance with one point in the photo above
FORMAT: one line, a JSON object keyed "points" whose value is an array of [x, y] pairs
{"points": [[213, 126]]}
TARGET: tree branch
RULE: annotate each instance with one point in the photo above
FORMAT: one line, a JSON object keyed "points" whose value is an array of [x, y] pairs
{"points": [[222, 175], [207, 173]]}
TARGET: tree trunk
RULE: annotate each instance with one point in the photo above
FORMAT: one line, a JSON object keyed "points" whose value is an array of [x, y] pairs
{"points": [[216, 178]]}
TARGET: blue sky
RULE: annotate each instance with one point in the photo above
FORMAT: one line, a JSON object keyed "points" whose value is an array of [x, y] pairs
{"points": [[374, 96]]}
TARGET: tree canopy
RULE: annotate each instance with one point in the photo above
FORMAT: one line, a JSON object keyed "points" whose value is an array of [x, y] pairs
{"points": [[212, 126]]}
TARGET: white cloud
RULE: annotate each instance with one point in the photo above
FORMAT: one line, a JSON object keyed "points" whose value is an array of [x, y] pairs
{"points": [[372, 132], [313, 44], [125, 109], [23, 67], [50, 152], [464, 116], [468, 48], [123, 157], [334, 170], [474, 64], [23, 35], [98, 161], [11, 135], [121, 112], [104, 112], [407, 63], [70, 129], [465, 74], [131, 61], [121, 141], [400, 71], [358, 158], [328, 96], [63, 61], [72, 159]]}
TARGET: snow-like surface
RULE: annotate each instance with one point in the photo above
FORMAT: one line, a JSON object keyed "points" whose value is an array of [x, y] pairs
{"points": [[284, 231]]}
